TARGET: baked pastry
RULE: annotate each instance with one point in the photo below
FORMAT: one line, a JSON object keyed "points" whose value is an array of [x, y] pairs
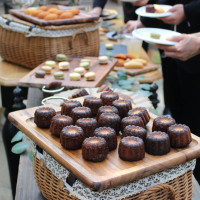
{"points": [[109, 135], [66, 15], [141, 112], [59, 75], [90, 76], [110, 120], [162, 123], [71, 137], [88, 125], [75, 11], [120, 56], [103, 59], [85, 60], [157, 143], [123, 106], [43, 116], [40, 74], [74, 76], [47, 69], [94, 149], [109, 46], [150, 8], [85, 65], [58, 122], [103, 88], [93, 103], [120, 63], [133, 64], [132, 120], [155, 35], [51, 16], [180, 135], [81, 112], [106, 109], [61, 57], [158, 9], [108, 97], [50, 63], [80, 93], [79, 70], [131, 148], [67, 107], [137, 131], [63, 65], [143, 61]]}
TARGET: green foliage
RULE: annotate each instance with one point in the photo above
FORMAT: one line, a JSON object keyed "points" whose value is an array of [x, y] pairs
{"points": [[141, 77], [145, 86], [144, 93], [19, 135], [154, 111], [20, 147]]}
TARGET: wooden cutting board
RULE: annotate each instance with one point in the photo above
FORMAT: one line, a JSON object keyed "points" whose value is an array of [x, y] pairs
{"points": [[112, 171], [101, 72], [81, 18]]}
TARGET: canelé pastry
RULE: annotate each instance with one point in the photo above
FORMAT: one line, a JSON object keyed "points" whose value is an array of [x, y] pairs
{"points": [[40, 74], [58, 122], [110, 120], [141, 112], [123, 106], [132, 120], [94, 149], [131, 148], [67, 107], [74, 76], [50, 63], [93, 103], [71, 137], [90, 76], [137, 131], [109, 135], [61, 57], [81, 112], [63, 65], [43, 116], [79, 70], [80, 93], [59, 75], [47, 69], [180, 135], [162, 123], [108, 97], [104, 88], [103, 59], [157, 143], [107, 109], [88, 125]]}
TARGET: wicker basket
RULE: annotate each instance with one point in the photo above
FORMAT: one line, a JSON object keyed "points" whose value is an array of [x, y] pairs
{"points": [[24, 48], [52, 187]]}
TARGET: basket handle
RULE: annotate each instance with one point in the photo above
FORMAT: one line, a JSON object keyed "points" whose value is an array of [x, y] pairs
{"points": [[156, 188], [75, 34]]}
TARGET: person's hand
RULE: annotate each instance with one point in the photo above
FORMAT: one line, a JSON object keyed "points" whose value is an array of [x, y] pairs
{"points": [[177, 16], [95, 11], [187, 47], [131, 25], [140, 3]]}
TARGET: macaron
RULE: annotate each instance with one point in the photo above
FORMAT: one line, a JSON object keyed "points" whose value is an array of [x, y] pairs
{"points": [[103, 59], [63, 65], [40, 74], [59, 75], [85, 65], [80, 70], [109, 46], [61, 57], [85, 60], [90, 76], [47, 69], [74, 76], [50, 63]]}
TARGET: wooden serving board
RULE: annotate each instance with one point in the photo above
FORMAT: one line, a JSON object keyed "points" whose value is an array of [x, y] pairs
{"points": [[82, 17], [101, 72], [112, 171]]}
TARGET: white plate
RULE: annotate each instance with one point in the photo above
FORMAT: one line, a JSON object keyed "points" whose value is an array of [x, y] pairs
{"points": [[129, 0], [142, 12], [144, 34]]}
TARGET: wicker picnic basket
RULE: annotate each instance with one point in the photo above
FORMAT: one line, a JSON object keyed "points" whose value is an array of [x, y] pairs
{"points": [[28, 45]]}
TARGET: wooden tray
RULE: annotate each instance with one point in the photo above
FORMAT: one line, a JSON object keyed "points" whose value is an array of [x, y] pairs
{"points": [[101, 72], [81, 18], [112, 171]]}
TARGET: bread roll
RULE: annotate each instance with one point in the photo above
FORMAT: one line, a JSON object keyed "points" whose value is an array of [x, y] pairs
{"points": [[133, 64]]}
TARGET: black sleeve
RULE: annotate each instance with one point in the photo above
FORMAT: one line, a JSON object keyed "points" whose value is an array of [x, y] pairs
{"points": [[99, 3]]}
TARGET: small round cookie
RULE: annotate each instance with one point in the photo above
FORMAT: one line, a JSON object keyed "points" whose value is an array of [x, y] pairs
{"points": [[59, 75], [85, 60], [109, 46], [79, 70], [90, 76], [40, 74], [47, 69], [61, 57], [50, 63], [74, 76], [85, 65], [63, 65], [103, 59]]}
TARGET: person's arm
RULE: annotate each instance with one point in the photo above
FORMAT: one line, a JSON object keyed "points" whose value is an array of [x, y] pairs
{"points": [[98, 6], [188, 46]]}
